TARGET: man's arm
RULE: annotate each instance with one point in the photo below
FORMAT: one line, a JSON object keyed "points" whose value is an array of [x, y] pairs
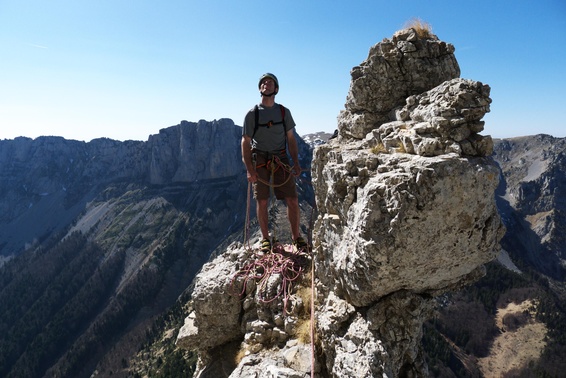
{"points": [[247, 158], [294, 151]]}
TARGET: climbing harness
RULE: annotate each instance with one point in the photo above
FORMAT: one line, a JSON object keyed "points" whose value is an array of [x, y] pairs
{"points": [[273, 164]]}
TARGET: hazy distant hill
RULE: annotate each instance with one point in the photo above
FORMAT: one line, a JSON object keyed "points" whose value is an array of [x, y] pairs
{"points": [[533, 199]]}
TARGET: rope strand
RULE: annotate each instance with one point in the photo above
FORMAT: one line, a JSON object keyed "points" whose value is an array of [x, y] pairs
{"points": [[289, 265], [312, 319]]}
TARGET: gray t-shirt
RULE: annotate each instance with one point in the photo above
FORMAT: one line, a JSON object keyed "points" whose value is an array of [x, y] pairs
{"points": [[270, 138]]}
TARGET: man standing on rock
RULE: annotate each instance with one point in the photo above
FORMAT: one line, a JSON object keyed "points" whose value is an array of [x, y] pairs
{"points": [[268, 133]]}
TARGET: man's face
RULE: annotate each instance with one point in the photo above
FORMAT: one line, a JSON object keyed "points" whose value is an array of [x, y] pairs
{"points": [[267, 85]]}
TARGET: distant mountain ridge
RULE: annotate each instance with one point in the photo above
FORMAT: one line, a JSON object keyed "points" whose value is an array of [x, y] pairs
{"points": [[532, 198], [45, 183]]}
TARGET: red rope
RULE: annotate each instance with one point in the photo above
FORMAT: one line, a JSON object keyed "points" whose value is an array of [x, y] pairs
{"points": [[247, 225], [312, 319], [275, 164], [289, 265]]}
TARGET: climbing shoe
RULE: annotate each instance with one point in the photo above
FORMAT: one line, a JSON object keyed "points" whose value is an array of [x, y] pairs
{"points": [[301, 244], [265, 246]]}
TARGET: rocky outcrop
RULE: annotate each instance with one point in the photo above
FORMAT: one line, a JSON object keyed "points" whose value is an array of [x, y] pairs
{"points": [[446, 119], [396, 226], [406, 205], [407, 96], [395, 69], [405, 209], [428, 215]]}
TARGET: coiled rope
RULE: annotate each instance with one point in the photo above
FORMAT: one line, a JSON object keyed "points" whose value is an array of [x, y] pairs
{"points": [[288, 265]]}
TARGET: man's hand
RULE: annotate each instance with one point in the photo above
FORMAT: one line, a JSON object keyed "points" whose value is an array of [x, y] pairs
{"points": [[294, 152], [252, 176], [248, 159]]}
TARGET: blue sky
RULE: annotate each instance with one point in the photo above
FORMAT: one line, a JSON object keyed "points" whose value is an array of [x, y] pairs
{"points": [[125, 69]]}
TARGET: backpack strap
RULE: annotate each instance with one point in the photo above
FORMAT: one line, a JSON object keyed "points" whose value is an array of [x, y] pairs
{"points": [[269, 124], [283, 118]]}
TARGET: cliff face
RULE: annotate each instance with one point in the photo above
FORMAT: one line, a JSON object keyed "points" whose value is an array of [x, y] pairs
{"points": [[194, 152], [406, 211]]}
